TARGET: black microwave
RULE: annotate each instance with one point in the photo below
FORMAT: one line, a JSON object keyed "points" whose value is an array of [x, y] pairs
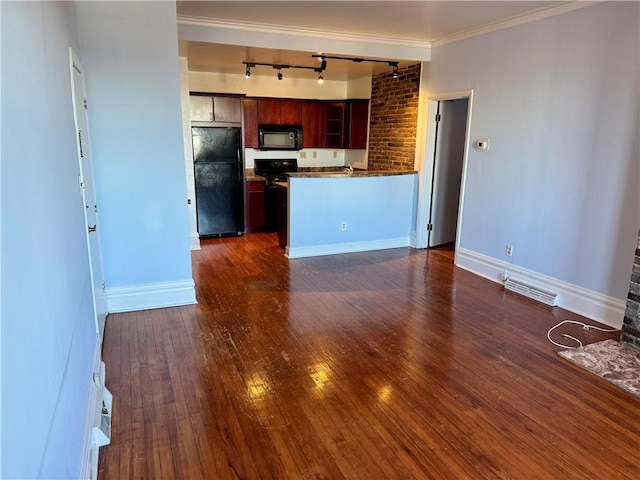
{"points": [[280, 137]]}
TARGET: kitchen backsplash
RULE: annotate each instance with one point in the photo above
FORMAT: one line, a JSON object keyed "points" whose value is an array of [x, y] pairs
{"points": [[310, 157]]}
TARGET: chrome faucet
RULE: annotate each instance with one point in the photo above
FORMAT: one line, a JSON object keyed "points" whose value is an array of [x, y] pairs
{"points": [[348, 169]]}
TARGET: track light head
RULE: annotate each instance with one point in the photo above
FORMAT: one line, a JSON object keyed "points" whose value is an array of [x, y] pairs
{"points": [[247, 72], [395, 69], [279, 74], [320, 77]]}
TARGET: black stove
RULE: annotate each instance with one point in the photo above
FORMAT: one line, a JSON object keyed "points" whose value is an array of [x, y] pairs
{"points": [[276, 169], [273, 170]]}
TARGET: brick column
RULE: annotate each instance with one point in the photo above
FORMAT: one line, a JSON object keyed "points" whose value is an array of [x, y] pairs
{"points": [[631, 326], [394, 119]]}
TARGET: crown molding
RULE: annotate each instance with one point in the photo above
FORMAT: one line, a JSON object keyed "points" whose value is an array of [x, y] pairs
{"points": [[224, 24], [514, 21]]}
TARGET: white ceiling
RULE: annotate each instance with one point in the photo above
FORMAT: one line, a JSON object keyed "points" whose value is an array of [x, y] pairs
{"points": [[412, 21]]}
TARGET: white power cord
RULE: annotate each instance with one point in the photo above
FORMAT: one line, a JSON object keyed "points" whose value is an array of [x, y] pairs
{"points": [[584, 327]]}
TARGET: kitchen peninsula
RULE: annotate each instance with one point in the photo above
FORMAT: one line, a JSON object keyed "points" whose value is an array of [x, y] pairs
{"points": [[335, 212]]}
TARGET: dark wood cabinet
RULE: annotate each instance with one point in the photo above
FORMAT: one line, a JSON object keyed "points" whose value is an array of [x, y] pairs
{"points": [[334, 125], [269, 111], [290, 112], [250, 124], [325, 124], [279, 112], [255, 205], [357, 123], [205, 107], [313, 124]]}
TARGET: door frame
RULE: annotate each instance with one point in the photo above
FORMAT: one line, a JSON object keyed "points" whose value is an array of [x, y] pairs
{"points": [[425, 153], [76, 64]]}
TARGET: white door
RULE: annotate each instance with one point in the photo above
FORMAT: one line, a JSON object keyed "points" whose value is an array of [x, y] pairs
{"points": [[447, 171], [88, 191]]}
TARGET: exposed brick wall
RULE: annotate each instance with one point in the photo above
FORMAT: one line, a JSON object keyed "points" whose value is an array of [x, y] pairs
{"points": [[393, 120], [631, 326]]}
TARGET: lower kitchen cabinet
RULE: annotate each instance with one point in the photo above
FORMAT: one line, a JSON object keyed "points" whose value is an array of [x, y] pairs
{"points": [[255, 205]]}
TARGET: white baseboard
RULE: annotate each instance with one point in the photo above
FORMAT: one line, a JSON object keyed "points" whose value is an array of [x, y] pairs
{"points": [[334, 249], [194, 239], [89, 458], [585, 302], [412, 239], [151, 295]]}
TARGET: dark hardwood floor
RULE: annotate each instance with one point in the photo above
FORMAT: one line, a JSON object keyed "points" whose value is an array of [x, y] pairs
{"points": [[379, 365]]}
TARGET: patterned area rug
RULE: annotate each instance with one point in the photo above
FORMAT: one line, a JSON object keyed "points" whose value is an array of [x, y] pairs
{"points": [[610, 360]]}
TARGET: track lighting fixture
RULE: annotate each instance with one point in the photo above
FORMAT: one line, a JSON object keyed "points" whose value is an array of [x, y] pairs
{"points": [[280, 66], [323, 58], [320, 78]]}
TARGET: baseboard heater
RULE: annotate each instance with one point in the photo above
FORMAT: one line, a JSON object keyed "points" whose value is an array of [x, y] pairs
{"points": [[543, 296]]}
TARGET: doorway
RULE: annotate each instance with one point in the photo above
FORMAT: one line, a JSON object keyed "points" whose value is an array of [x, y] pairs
{"points": [[87, 189], [443, 170]]}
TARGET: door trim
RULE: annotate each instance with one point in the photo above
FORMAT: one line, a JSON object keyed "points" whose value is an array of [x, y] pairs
{"points": [[425, 150], [93, 253]]}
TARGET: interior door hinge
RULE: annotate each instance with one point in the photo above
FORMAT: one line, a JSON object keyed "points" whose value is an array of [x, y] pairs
{"points": [[103, 285], [429, 227], [438, 117], [86, 106]]}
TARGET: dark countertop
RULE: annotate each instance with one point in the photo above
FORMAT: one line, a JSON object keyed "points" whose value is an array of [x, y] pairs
{"points": [[356, 173], [250, 176]]}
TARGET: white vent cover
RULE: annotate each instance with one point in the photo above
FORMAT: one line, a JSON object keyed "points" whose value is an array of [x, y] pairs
{"points": [[547, 298]]}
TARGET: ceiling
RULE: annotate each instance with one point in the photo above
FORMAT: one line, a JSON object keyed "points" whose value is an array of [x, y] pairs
{"points": [[411, 21]]}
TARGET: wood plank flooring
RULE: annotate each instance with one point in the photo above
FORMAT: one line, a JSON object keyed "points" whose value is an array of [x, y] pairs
{"points": [[381, 365]]}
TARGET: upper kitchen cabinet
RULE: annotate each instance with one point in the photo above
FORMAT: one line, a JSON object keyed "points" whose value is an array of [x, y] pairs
{"points": [[290, 112], [201, 108], [269, 111], [325, 124], [214, 108], [334, 125], [313, 124], [250, 124], [279, 112], [227, 109], [357, 123]]}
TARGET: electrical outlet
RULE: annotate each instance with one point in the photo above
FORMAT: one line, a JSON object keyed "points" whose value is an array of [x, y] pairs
{"points": [[509, 251], [303, 155], [315, 154], [335, 154], [343, 226]]}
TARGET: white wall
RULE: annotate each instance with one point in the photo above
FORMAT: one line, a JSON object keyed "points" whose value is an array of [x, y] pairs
{"points": [[559, 100], [130, 51], [48, 329], [266, 86], [188, 153]]}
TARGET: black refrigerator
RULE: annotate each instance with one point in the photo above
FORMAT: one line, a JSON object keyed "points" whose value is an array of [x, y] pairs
{"points": [[218, 170]]}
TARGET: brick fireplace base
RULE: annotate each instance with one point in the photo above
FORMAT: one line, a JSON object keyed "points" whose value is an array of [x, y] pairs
{"points": [[631, 326]]}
